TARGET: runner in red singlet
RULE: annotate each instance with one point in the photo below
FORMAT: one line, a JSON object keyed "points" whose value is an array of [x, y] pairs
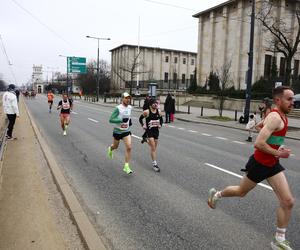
{"points": [[264, 165]]}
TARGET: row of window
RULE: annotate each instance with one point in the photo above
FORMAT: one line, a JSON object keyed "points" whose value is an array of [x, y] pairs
{"points": [[268, 66], [183, 80], [176, 60]]}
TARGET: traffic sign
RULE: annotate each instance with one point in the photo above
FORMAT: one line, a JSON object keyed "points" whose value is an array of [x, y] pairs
{"points": [[76, 65]]}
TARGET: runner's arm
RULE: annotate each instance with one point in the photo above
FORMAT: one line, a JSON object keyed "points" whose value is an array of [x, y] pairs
{"points": [[59, 105], [114, 118], [271, 124]]}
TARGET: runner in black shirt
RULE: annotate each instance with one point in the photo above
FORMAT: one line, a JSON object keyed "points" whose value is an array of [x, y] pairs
{"points": [[153, 124], [65, 105]]}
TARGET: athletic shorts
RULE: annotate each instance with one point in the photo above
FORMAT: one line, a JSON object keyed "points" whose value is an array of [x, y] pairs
{"points": [[153, 133], [50, 102], [257, 172], [121, 136], [65, 115]]}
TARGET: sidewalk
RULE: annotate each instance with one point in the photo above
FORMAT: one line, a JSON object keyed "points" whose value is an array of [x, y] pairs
{"points": [[195, 116], [28, 220]]}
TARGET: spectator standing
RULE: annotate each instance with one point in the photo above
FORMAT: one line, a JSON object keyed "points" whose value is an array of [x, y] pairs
{"points": [[168, 107], [250, 127], [172, 109], [11, 109]]}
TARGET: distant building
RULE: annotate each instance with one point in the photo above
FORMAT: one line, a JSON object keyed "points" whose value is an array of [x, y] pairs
{"points": [[224, 35], [170, 69], [37, 78]]}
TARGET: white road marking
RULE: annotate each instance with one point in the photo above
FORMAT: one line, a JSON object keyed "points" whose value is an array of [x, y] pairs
{"points": [[93, 120], [181, 128], [236, 175], [205, 134], [221, 138], [171, 126], [192, 131], [239, 142], [74, 113], [135, 136]]}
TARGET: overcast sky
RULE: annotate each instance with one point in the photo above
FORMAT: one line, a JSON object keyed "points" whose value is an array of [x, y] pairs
{"points": [[36, 32]]}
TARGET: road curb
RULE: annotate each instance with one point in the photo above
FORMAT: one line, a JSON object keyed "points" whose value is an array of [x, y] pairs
{"points": [[226, 126], [87, 231]]}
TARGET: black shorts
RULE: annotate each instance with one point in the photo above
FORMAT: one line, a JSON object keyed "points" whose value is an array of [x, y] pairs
{"points": [[50, 102], [121, 136], [153, 133], [257, 172]]}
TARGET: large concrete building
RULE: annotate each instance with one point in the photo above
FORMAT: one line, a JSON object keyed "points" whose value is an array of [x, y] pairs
{"points": [[170, 69], [224, 35]]}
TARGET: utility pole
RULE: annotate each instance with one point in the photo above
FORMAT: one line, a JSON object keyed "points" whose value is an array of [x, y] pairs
{"points": [[250, 65]]}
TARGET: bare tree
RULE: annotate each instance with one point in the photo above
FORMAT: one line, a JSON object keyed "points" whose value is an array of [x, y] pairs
{"points": [[225, 83], [133, 67], [283, 38]]}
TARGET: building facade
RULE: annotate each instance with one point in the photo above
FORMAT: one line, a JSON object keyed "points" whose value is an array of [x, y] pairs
{"points": [[136, 67], [224, 36]]}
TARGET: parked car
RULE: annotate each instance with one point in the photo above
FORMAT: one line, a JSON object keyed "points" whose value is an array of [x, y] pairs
{"points": [[297, 101]]}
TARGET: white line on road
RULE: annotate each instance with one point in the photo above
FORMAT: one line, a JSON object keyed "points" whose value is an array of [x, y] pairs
{"points": [[171, 126], [74, 113], [234, 174], [205, 134], [93, 120], [221, 138], [135, 136], [239, 142], [192, 131], [181, 128]]}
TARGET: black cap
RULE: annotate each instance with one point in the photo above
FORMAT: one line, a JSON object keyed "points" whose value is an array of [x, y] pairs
{"points": [[152, 100], [11, 86]]}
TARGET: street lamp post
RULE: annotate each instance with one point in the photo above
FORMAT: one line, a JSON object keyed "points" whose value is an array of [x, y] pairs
{"points": [[67, 73], [98, 78]]}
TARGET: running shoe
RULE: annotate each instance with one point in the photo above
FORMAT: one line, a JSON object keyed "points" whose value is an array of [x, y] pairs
{"points": [[65, 132], [156, 168], [10, 138], [110, 153], [127, 169], [280, 245], [212, 199]]}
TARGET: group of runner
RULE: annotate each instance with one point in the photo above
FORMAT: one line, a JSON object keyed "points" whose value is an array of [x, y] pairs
{"points": [[262, 165]]}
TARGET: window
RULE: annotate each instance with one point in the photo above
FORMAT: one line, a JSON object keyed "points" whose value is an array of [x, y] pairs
{"points": [[282, 67], [184, 60], [166, 77], [268, 64], [167, 59], [175, 59], [296, 68], [193, 61], [183, 78], [174, 77]]}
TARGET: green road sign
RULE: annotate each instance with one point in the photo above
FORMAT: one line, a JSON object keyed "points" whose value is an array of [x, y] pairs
{"points": [[76, 65]]}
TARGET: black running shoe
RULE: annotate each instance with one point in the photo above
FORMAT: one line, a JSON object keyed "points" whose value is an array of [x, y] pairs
{"points": [[156, 168]]}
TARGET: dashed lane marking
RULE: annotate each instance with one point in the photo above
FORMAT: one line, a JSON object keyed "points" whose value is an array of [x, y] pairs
{"points": [[221, 138], [93, 120], [181, 128], [205, 134], [239, 142], [192, 131], [74, 113], [234, 174]]}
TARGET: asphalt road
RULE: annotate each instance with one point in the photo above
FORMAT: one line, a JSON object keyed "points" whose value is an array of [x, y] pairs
{"points": [[166, 210]]}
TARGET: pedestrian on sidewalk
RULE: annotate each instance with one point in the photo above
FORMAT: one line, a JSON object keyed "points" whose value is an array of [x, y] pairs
{"points": [[11, 109], [121, 118], [154, 122], [172, 115], [264, 165], [250, 127], [168, 108], [65, 105]]}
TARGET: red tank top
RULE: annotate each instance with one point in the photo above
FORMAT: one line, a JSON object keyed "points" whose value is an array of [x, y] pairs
{"points": [[275, 141]]}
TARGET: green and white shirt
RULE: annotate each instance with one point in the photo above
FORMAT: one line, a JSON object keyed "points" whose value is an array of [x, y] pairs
{"points": [[121, 118]]}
